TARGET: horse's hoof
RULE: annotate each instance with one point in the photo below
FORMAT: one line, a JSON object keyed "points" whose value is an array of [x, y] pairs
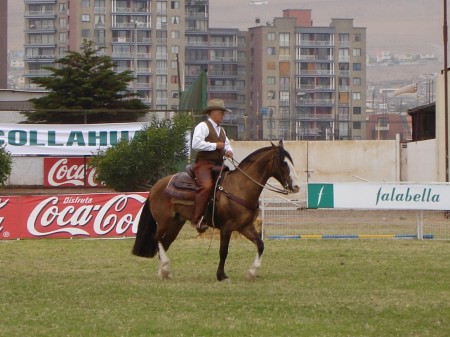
{"points": [[251, 276], [164, 274], [222, 278]]}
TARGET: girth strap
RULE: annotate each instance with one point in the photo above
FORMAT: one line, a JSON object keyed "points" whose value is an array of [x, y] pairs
{"points": [[238, 200]]}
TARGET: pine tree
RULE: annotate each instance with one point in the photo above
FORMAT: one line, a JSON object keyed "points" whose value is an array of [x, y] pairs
{"points": [[83, 88]]}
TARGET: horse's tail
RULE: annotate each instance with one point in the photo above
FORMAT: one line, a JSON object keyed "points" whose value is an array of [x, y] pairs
{"points": [[145, 245]]}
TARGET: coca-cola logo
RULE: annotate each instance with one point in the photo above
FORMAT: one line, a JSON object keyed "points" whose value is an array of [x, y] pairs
{"points": [[74, 172], [82, 216]]}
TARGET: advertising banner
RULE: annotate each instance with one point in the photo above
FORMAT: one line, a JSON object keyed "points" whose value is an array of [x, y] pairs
{"points": [[101, 215], [66, 172], [379, 196], [64, 139]]}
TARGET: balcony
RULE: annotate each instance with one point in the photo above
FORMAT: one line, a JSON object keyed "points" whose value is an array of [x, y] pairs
{"points": [[37, 73], [40, 58], [40, 14], [223, 59], [41, 29], [315, 117], [40, 1], [314, 43]]}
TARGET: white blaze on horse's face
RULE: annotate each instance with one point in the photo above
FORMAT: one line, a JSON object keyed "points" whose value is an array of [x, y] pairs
{"points": [[293, 175]]}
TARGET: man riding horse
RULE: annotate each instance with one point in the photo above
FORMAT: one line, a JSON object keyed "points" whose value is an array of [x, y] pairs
{"points": [[212, 144]]}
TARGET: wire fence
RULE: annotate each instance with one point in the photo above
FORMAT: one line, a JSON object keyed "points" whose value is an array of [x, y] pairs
{"points": [[283, 218]]}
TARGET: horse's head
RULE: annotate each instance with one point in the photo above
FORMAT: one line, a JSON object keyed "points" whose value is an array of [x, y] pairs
{"points": [[283, 169]]}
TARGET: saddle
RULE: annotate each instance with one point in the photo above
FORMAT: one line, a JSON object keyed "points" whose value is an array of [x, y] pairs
{"points": [[184, 186]]}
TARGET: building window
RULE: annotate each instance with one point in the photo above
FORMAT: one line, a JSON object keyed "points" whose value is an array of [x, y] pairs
{"points": [[62, 23], [173, 80], [356, 66], [356, 51], [357, 125], [175, 49], [357, 37], [62, 7], [175, 20], [356, 80], [284, 39], [85, 33], [174, 4], [175, 34], [271, 51], [271, 36], [85, 18], [85, 3], [356, 95], [271, 80], [357, 110], [271, 66]]}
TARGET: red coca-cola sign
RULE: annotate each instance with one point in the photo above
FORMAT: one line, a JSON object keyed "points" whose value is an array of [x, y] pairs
{"points": [[66, 216], [69, 172]]}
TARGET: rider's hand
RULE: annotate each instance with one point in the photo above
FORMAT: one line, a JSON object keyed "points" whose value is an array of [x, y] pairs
{"points": [[229, 154], [220, 146]]}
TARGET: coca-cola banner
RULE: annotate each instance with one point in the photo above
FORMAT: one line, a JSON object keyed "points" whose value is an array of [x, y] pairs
{"points": [[64, 139], [74, 171], [99, 215]]}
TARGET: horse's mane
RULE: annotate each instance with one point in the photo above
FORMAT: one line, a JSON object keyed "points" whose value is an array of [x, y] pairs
{"points": [[282, 153]]}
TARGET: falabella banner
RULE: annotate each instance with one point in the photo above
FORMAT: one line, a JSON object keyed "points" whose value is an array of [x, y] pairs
{"points": [[102, 215]]}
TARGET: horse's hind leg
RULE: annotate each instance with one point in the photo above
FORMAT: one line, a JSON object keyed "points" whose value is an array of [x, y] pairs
{"points": [[169, 235], [164, 263], [250, 233]]}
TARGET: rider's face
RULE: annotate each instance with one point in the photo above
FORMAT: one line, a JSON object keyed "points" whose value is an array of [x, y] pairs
{"points": [[217, 115]]}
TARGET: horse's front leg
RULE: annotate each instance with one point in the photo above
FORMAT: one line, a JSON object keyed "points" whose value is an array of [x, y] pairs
{"points": [[225, 237], [164, 263], [250, 233]]}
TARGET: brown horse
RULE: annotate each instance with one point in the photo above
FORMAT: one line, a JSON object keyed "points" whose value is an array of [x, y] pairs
{"points": [[236, 208]]}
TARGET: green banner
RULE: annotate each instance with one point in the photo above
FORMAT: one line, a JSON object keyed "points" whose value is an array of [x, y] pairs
{"points": [[320, 196]]}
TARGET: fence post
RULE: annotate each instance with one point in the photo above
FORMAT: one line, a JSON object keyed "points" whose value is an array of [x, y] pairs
{"points": [[419, 223]]}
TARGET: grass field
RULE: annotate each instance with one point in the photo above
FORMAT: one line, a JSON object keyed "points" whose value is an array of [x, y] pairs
{"points": [[304, 288]]}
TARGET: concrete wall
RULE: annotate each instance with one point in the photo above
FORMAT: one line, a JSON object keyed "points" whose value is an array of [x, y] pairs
{"points": [[342, 161], [421, 162]]}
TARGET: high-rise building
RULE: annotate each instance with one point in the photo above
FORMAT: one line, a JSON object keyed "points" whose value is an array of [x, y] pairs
{"points": [[142, 36], [306, 82], [286, 79], [4, 45]]}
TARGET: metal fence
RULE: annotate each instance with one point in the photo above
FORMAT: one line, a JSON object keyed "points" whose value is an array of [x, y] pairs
{"points": [[284, 218]]}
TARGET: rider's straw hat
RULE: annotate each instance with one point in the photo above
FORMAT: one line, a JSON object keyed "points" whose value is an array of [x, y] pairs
{"points": [[215, 104]]}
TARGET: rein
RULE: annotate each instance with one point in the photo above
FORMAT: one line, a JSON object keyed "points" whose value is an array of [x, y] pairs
{"points": [[267, 186]]}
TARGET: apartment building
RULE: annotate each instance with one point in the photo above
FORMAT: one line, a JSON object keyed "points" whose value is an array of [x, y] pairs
{"points": [[306, 82], [144, 36], [286, 79], [4, 45]]}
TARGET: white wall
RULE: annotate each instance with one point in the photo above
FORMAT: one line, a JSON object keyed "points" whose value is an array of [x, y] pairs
{"points": [[421, 161], [339, 161]]}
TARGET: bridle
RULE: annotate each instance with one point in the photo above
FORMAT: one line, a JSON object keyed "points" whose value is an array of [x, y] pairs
{"points": [[267, 186]]}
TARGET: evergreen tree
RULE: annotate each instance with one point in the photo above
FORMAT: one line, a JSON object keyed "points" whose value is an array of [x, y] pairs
{"points": [[5, 165], [85, 89]]}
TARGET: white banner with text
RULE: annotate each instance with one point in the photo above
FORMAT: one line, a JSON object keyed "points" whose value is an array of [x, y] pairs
{"points": [[379, 196], [64, 139]]}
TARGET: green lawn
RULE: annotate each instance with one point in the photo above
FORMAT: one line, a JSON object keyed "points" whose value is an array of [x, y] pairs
{"points": [[304, 288]]}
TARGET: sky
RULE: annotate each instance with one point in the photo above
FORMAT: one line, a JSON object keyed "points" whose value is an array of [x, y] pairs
{"points": [[394, 25]]}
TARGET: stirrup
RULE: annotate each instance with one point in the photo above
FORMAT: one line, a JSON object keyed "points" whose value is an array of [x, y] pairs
{"points": [[201, 226]]}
